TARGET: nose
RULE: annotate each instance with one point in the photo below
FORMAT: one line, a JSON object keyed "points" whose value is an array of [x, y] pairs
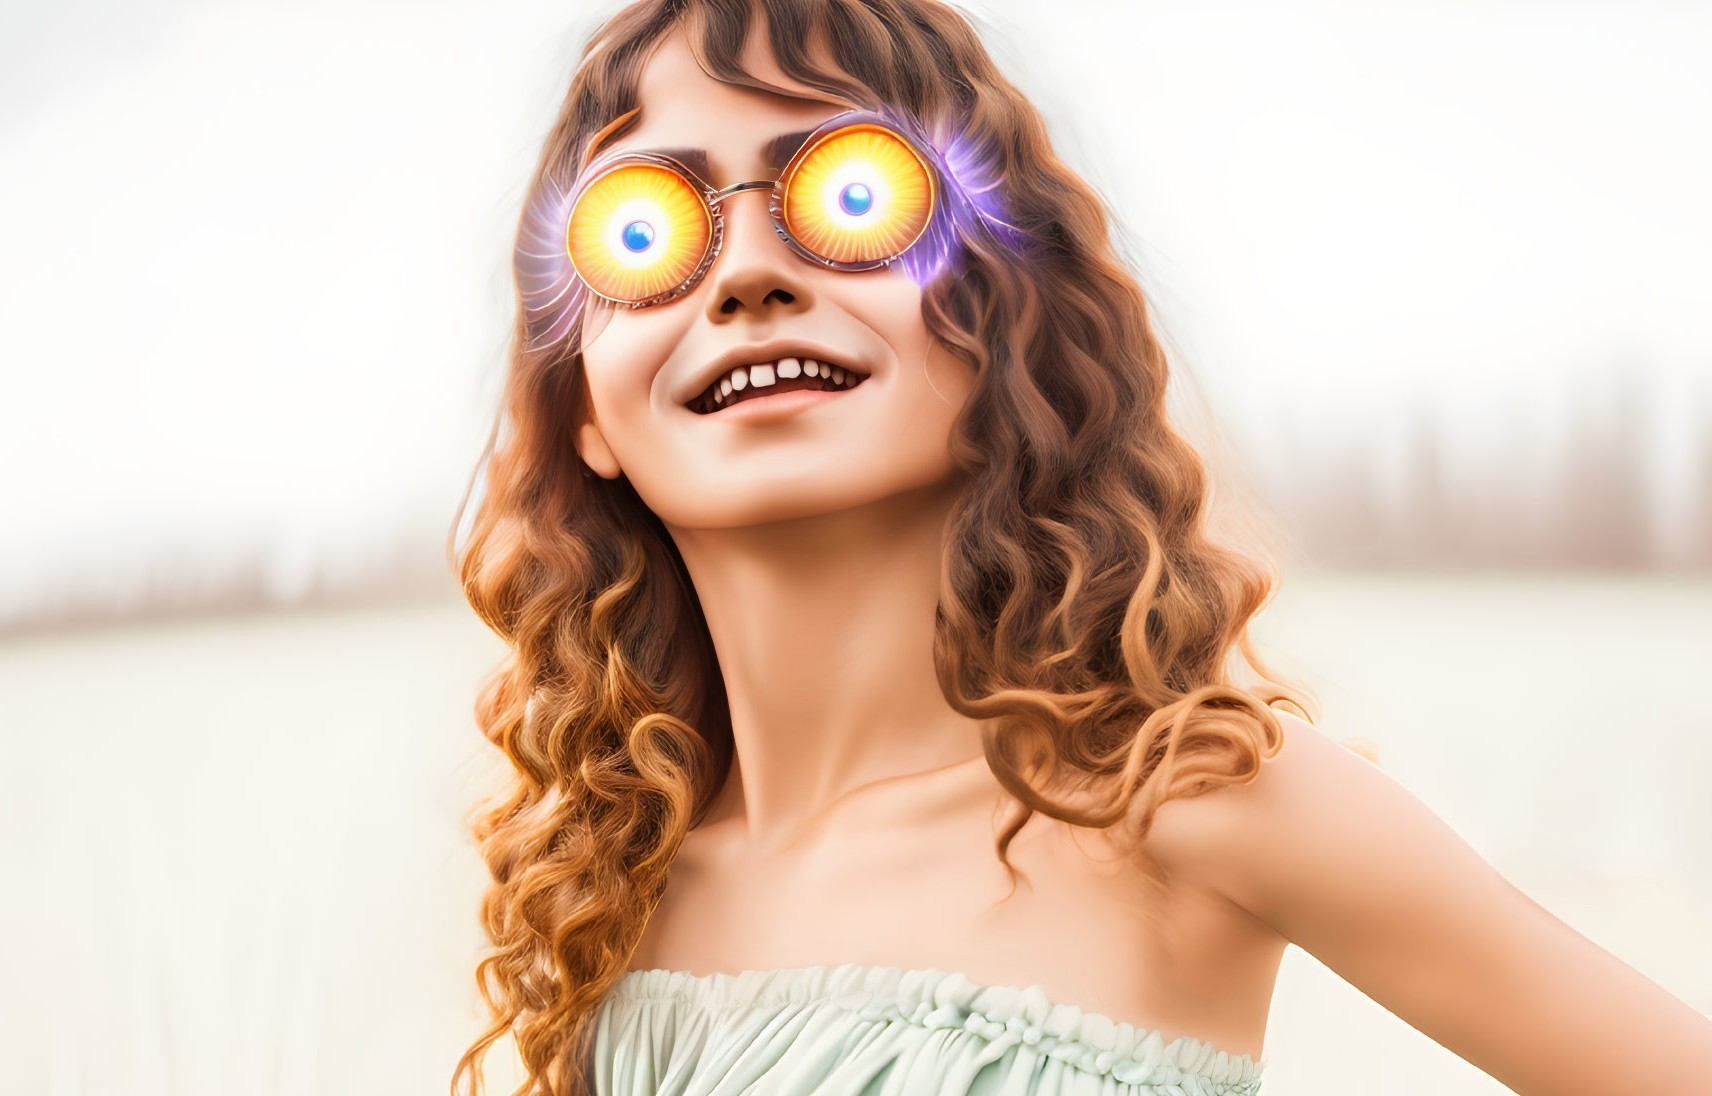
{"points": [[755, 269]]}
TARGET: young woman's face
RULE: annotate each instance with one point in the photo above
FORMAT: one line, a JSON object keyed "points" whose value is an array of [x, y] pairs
{"points": [[645, 366]]}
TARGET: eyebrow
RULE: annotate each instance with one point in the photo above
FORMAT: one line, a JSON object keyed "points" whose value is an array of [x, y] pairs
{"points": [[775, 154]]}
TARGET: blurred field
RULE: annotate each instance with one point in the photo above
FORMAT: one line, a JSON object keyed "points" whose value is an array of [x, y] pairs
{"points": [[237, 861], [1438, 272]]}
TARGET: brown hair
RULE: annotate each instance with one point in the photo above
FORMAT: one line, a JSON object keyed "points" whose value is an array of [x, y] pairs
{"points": [[1086, 614]]}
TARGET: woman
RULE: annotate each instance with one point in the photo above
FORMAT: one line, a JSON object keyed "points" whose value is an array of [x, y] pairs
{"points": [[854, 574]]}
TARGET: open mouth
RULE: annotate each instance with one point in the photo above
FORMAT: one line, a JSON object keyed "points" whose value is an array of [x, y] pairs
{"points": [[772, 378]]}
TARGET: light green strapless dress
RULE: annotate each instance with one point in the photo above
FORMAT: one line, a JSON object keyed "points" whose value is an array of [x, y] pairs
{"points": [[856, 1030]]}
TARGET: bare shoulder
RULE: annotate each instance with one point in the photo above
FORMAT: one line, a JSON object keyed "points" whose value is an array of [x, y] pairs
{"points": [[1345, 862], [1231, 839]]}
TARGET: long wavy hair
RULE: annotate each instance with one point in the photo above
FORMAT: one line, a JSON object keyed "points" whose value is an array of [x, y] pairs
{"points": [[1087, 615]]}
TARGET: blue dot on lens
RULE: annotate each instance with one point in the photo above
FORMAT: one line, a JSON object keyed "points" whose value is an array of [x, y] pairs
{"points": [[855, 199], [638, 235]]}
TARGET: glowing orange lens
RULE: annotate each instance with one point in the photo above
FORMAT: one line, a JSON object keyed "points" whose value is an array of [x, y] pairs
{"points": [[860, 195], [637, 231], [857, 197]]}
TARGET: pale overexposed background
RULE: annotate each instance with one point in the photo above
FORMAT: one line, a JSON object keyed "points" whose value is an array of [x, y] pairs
{"points": [[1437, 270]]}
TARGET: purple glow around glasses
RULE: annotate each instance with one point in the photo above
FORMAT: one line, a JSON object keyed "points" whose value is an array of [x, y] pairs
{"points": [[972, 196], [554, 297]]}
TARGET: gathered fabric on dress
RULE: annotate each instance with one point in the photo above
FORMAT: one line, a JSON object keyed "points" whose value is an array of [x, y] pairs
{"points": [[858, 1030]]}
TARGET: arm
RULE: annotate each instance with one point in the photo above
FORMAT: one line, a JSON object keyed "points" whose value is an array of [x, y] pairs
{"points": [[1344, 862]]}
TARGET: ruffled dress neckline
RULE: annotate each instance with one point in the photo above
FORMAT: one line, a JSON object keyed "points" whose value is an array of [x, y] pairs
{"points": [[931, 998]]}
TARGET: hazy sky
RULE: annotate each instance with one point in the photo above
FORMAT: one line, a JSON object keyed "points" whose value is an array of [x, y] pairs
{"points": [[1440, 270]]}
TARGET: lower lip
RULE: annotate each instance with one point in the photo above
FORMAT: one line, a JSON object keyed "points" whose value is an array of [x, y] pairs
{"points": [[765, 408]]}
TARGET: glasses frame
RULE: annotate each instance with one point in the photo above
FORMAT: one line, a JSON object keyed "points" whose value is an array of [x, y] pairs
{"points": [[713, 198]]}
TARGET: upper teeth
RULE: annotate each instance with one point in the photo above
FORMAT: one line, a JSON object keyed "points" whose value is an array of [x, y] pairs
{"points": [[764, 374]]}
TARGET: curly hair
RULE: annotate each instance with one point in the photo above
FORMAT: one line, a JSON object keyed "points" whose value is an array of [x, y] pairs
{"points": [[1086, 614]]}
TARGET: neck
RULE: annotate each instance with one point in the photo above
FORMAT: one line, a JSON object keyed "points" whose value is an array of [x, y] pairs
{"points": [[823, 626]]}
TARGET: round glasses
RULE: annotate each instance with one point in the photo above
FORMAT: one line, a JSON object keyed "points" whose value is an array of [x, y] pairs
{"points": [[644, 227]]}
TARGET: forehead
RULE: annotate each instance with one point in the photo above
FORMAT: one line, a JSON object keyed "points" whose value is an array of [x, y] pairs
{"points": [[724, 131], [673, 67]]}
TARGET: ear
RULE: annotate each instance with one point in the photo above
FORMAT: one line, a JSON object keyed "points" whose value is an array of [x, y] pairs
{"points": [[591, 444]]}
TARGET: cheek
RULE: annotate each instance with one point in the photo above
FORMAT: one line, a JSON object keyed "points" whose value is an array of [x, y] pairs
{"points": [[623, 355], [889, 302], [891, 305]]}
